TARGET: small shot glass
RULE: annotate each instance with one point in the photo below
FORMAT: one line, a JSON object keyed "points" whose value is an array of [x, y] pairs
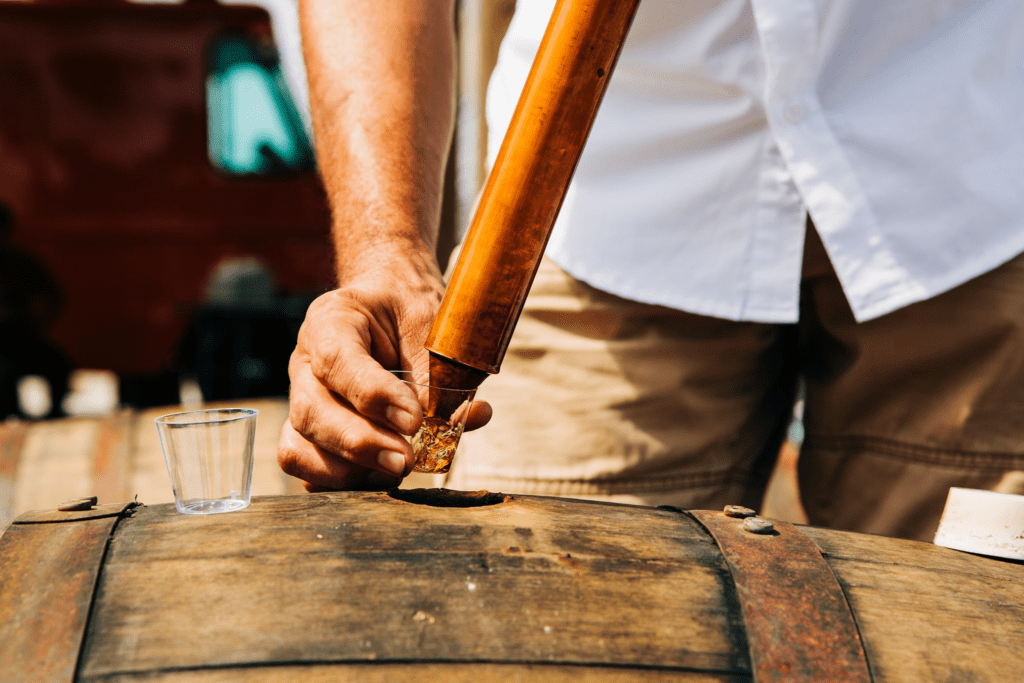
{"points": [[435, 443], [209, 456]]}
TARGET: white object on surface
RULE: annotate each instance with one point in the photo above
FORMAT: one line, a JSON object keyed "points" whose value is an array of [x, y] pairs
{"points": [[983, 522]]}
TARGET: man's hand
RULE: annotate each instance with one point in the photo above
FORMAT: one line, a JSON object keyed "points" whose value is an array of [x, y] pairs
{"points": [[382, 99], [348, 412]]}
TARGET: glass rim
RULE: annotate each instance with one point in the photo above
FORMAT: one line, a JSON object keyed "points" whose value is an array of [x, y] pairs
{"points": [[228, 415], [401, 374]]}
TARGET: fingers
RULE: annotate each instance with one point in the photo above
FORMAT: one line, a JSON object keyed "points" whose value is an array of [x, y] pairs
{"points": [[480, 413], [331, 447], [323, 471], [346, 350], [347, 411], [334, 426]]}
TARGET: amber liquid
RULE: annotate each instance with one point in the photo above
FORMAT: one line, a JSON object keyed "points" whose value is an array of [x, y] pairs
{"points": [[434, 445]]}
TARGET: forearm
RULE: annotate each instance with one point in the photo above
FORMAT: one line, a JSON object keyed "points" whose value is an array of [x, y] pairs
{"points": [[382, 98]]}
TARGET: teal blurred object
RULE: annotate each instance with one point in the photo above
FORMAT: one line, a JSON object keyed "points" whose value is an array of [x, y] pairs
{"points": [[254, 125]]}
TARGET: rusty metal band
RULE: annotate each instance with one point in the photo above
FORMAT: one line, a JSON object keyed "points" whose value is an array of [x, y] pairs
{"points": [[49, 564], [799, 623]]}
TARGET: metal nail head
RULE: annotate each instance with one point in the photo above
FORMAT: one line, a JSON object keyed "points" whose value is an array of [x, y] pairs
{"points": [[758, 525], [738, 511]]}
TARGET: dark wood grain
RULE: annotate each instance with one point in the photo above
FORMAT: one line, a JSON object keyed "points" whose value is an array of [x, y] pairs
{"points": [[363, 577]]}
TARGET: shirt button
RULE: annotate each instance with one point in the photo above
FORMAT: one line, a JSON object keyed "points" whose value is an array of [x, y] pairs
{"points": [[794, 112]]}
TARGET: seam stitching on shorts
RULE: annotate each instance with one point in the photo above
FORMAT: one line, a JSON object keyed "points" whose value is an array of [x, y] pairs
{"points": [[948, 457]]}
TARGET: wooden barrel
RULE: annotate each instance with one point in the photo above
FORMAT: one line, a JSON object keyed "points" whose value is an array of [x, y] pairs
{"points": [[428, 586], [114, 457]]}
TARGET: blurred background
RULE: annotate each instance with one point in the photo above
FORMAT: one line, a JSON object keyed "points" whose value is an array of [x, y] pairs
{"points": [[162, 223], [163, 227]]}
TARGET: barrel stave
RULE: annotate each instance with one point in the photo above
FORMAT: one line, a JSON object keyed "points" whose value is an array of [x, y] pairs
{"points": [[429, 672], [927, 613], [363, 577], [47, 574]]}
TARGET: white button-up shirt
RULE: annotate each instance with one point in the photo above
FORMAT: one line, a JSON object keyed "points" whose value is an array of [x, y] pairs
{"points": [[898, 125]]}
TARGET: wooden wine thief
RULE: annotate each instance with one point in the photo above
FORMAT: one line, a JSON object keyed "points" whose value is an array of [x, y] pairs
{"points": [[524, 191]]}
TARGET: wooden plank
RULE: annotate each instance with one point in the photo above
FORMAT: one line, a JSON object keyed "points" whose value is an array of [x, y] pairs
{"points": [[350, 577], [47, 576], [56, 463], [12, 440], [928, 613], [111, 467], [428, 672], [149, 480]]}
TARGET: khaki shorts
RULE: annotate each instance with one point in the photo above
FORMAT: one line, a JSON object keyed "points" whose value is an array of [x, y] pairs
{"points": [[604, 398]]}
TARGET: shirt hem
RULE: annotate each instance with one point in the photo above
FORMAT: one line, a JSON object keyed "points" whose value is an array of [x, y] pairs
{"points": [[991, 259]]}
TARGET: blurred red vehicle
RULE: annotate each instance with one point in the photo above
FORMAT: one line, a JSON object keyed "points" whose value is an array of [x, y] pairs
{"points": [[140, 146]]}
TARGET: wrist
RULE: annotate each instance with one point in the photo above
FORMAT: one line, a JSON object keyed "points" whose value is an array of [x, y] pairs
{"points": [[401, 260]]}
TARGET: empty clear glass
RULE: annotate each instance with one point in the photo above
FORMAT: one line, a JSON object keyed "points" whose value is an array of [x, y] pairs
{"points": [[209, 458]]}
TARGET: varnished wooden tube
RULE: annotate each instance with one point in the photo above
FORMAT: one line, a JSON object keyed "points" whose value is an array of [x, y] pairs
{"points": [[526, 186]]}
